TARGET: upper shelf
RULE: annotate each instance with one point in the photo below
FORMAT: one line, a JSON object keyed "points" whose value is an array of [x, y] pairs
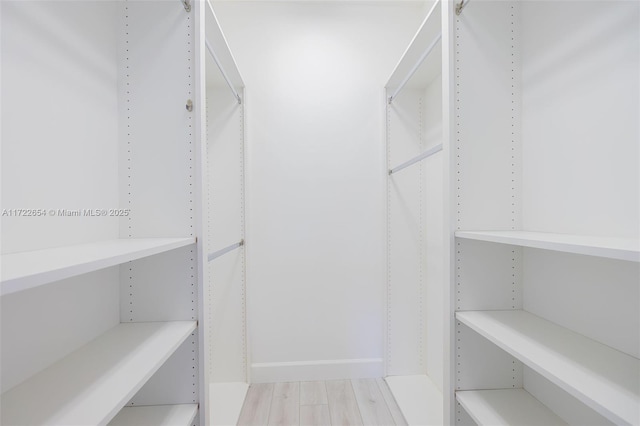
{"points": [[21, 271], [601, 377], [425, 72], [614, 248], [92, 384]]}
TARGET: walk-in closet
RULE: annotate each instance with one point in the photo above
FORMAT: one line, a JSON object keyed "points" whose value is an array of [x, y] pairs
{"points": [[320, 212]]}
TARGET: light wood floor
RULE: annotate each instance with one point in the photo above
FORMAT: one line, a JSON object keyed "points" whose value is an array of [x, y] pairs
{"points": [[337, 403]]}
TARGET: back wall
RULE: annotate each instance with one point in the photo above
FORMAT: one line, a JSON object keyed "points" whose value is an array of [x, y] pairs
{"points": [[314, 75]]}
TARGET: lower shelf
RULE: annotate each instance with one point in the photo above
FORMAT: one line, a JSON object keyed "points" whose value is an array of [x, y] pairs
{"points": [[601, 377], [506, 407], [419, 399], [92, 384], [156, 415]]}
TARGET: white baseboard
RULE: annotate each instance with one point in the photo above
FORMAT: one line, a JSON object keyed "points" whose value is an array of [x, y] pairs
{"points": [[419, 399], [316, 370], [225, 402]]}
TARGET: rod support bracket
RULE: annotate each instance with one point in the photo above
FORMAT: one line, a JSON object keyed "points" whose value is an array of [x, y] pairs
{"points": [[187, 5], [461, 6]]}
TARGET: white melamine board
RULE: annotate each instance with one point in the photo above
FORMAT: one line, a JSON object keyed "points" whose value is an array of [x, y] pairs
{"points": [[462, 418], [225, 170], [93, 383], [176, 381], [419, 399], [506, 407], [156, 415], [614, 248], [59, 149], [21, 271], [227, 327], [406, 242], [596, 297], [157, 133], [42, 325], [487, 276], [225, 289], [434, 272], [480, 364], [487, 110], [160, 288], [581, 156], [566, 406], [226, 400], [431, 67], [603, 378]]}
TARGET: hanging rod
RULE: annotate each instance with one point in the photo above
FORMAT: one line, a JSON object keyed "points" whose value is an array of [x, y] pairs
{"points": [[186, 4], [225, 250], [461, 6], [224, 74], [414, 160], [415, 67]]}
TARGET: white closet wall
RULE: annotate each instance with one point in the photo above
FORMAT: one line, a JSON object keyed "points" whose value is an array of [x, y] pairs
{"points": [[316, 179]]}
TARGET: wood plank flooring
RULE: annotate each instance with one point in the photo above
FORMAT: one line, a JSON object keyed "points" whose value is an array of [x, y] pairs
{"points": [[357, 402]]}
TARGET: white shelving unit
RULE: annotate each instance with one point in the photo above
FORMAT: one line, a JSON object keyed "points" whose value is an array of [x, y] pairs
{"points": [[157, 415], [416, 138], [506, 407], [603, 378], [223, 160], [93, 383], [545, 257], [22, 271], [612, 248], [100, 311]]}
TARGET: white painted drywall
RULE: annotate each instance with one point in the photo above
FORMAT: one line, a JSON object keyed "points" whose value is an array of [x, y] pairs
{"points": [[314, 74]]}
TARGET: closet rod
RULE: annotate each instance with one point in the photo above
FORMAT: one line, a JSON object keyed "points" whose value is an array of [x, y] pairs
{"points": [[224, 74], [414, 160], [415, 67], [225, 250]]}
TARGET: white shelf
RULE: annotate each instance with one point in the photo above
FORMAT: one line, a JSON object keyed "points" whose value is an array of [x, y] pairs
{"points": [[506, 407], [432, 66], [21, 271], [92, 384], [156, 415], [603, 378], [419, 399], [614, 248]]}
